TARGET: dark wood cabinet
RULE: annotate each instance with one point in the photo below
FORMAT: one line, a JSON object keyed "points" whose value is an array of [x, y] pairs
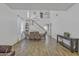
{"points": [[73, 42]]}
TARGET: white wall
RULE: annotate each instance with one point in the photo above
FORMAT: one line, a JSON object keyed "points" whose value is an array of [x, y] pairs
{"points": [[8, 34], [68, 22]]}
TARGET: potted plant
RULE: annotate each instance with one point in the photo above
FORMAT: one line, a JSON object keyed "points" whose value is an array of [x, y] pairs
{"points": [[66, 34]]}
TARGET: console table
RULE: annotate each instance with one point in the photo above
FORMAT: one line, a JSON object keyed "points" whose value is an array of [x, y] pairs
{"points": [[72, 40]]}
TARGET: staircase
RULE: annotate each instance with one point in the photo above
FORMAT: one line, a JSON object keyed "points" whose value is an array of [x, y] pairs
{"points": [[31, 25], [34, 26]]}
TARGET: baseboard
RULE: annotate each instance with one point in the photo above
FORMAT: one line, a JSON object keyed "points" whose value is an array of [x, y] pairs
{"points": [[17, 42], [51, 37]]}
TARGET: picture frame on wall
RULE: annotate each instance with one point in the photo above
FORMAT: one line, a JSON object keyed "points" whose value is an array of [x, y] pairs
{"points": [[41, 15], [44, 15]]}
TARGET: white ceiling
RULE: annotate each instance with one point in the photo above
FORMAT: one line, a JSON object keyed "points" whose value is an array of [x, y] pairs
{"points": [[40, 6]]}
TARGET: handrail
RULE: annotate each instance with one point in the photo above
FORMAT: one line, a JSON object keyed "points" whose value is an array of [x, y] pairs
{"points": [[39, 25], [41, 28]]}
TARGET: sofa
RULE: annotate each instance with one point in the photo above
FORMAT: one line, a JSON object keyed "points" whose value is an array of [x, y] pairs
{"points": [[6, 50], [35, 36]]}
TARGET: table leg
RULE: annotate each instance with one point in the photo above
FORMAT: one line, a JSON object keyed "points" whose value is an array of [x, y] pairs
{"points": [[57, 38], [76, 48], [72, 50]]}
